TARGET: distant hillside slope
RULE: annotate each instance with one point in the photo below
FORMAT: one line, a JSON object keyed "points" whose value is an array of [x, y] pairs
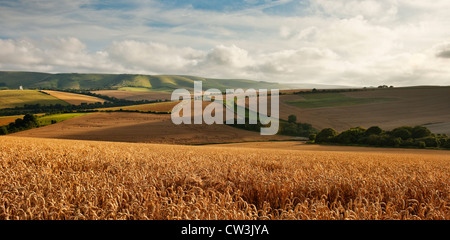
{"points": [[13, 80], [386, 108], [140, 127]]}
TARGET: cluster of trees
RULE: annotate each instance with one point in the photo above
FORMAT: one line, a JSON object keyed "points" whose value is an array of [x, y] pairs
{"points": [[405, 136], [293, 128], [290, 127], [314, 90], [29, 121]]}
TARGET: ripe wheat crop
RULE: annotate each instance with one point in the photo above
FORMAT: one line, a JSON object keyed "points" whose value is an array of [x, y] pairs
{"points": [[67, 179]]}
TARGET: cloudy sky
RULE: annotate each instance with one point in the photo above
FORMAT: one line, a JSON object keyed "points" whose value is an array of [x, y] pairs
{"points": [[346, 42]]}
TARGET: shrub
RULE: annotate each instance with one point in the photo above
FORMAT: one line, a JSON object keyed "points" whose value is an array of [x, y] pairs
{"points": [[422, 144], [396, 142], [408, 143], [445, 143], [431, 141], [387, 140], [374, 140], [312, 136]]}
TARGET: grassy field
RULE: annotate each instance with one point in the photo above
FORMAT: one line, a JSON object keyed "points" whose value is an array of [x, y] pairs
{"points": [[46, 120], [319, 100], [73, 98], [66, 179], [18, 98]]}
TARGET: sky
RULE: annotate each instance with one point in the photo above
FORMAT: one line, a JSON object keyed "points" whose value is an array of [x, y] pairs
{"points": [[339, 42]]}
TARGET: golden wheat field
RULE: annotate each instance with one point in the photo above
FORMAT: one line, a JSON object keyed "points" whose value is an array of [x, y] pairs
{"points": [[70, 179]]}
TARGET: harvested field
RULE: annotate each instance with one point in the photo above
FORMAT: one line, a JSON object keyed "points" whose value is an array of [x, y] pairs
{"points": [[136, 95], [9, 119], [154, 107], [140, 127], [67, 179], [413, 106], [73, 98]]}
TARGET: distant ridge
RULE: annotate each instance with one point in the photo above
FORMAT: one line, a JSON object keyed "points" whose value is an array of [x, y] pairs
{"points": [[31, 80]]}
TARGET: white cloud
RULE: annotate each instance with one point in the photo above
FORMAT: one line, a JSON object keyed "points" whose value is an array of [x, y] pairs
{"points": [[351, 42], [228, 56], [153, 57], [376, 10], [53, 55], [20, 52]]}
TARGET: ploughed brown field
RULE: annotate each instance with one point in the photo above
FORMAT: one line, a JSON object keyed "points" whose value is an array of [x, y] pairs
{"points": [[141, 127], [70, 179]]}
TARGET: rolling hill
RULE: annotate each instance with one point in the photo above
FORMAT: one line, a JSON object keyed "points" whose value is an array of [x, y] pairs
{"points": [[144, 128], [18, 98], [386, 108], [13, 80], [73, 98]]}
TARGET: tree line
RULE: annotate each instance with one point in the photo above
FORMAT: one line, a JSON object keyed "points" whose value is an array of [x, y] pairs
{"points": [[293, 128], [29, 121], [289, 128], [340, 90], [405, 136]]}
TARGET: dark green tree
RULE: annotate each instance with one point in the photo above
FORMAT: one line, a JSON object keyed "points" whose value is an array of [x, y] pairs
{"points": [[326, 135], [351, 136], [422, 144], [292, 119], [373, 130], [3, 130], [420, 132], [431, 141], [445, 143], [402, 132]]}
